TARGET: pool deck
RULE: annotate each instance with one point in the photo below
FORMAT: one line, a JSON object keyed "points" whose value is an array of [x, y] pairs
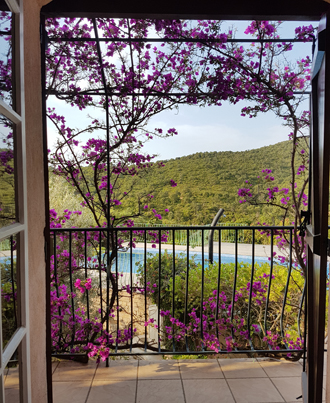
{"points": [[6, 253], [226, 249]]}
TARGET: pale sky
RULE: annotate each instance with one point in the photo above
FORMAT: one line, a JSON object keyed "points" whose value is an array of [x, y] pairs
{"points": [[214, 129], [209, 128]]}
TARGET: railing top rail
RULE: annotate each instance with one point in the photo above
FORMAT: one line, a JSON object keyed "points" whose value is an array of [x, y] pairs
{"points": [[221, 224], [169, 228], [177, 40]]}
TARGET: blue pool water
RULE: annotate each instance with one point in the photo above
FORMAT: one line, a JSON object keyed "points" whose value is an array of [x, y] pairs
{"points": [[6, 259], [124, 263], [138, 257]]}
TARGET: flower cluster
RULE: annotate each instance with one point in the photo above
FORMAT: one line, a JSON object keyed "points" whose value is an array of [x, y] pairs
{"points": [[83, 285], [218, 327], [206, 73]]}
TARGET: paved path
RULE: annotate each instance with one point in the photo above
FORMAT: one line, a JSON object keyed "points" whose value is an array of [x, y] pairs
{"points": [[6, 253], [226, 249]]}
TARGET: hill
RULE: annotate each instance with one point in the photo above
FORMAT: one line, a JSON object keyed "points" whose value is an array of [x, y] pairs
{"points": [[210, 180], [7, 196]]}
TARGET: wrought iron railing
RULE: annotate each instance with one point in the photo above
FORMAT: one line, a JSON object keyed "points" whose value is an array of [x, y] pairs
{"points": [[147, 296], [195, 238], [9, 284]]}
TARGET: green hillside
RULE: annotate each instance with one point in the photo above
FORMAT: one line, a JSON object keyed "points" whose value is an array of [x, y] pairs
{"points": [[7, 197], [208, 181]]}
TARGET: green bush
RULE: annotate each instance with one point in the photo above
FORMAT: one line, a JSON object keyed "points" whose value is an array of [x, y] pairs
{"points": [[8, 301], [223, 279]]}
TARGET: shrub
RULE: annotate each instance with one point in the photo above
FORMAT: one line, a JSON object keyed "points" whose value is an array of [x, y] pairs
{"points": [[225, 307]]}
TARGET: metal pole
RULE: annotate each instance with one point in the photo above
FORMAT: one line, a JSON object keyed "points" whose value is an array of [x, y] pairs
{"points": [[211, 233]]}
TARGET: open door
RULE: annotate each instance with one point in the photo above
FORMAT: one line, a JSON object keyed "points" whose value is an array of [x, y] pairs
{"points": [[317, 228], [15, 373]]}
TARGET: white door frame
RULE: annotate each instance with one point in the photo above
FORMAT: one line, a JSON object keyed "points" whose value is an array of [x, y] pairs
{"points": [[20, 339]]}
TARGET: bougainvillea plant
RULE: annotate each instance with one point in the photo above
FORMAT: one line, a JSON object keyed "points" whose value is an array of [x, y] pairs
{"points": [[117, 87], [281, 89]]}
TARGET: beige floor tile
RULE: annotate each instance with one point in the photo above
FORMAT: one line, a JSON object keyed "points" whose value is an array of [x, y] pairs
{"points": [[158, 370], [324, 388], [281, 369], [160, 391], [12, 378], [254, 391], [54, 366], [242, 369], [200, 369], [12, 395], [325, 363], [70, 392], [117, 370], [120, 391], [207, 391], [289, 388], [74, 371]]}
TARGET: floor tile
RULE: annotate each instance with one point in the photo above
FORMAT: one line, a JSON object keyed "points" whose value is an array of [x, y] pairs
{"points": [[289, 388], [74, 371], [158, 370], [12, 395], [281, 369], [325, 363], [254, 391], [324, 388], [54, 366], [117, 370], [160, 391], [70, 392], [120, 391], [200, 369], [12, 378], [207, 391], [241, 369]]}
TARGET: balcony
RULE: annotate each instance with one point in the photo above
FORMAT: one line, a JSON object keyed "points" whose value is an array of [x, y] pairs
{"points": [[149, 295], [260, 297], [178, 381]]}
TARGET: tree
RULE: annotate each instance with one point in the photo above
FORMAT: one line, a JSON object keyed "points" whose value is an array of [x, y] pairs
{"points": [[261, 74], [130, 81]]}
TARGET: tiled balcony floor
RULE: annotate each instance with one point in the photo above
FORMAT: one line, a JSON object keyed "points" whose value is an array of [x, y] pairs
{"points": [[172, 381]]}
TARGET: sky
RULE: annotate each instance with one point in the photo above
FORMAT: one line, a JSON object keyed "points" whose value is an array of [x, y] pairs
{"points": [[215, 129], [209, 128]]}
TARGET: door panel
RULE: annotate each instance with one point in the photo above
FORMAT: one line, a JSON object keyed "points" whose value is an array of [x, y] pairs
{"points": [[14, 306], [317, 230]]}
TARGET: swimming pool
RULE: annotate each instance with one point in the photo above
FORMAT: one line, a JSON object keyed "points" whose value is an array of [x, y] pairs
{"points": [[124, 262], [6, 259]]}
